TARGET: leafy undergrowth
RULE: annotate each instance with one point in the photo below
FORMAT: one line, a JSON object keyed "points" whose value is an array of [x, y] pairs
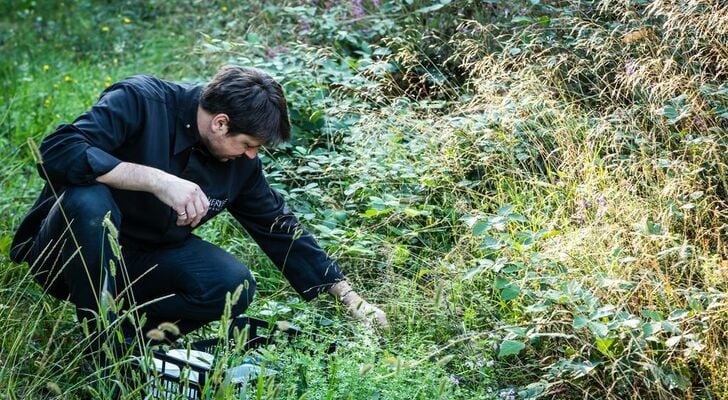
{"points": [[535, 193]]}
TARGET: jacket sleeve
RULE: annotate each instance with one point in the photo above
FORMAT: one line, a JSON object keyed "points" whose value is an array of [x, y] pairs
{"points": [[77, 153], [264, 215]]}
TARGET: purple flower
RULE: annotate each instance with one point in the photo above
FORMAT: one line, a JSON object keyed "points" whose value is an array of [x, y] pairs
{"points": [[630, 66], [357, 9]]}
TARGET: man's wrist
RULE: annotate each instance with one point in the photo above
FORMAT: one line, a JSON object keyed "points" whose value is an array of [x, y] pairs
{"points": [[340, 289]]}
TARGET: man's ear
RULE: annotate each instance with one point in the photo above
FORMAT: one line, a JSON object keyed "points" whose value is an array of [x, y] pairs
{"points": [[220, 123]]}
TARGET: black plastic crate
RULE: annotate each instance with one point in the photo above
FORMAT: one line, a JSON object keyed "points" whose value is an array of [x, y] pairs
{"points": [[172, 378]]}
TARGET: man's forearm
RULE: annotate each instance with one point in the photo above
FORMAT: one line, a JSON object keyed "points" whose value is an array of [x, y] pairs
{"points": [[183, 196], [130, 176]]}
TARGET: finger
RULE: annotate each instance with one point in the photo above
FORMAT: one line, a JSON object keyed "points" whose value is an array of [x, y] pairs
{"points": [[181, 214], [202, 204], [180, 210], [382, 320], [205, 202], [200, 208], [188, 216]]}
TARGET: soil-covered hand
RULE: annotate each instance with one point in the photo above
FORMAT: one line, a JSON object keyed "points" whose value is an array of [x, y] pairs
{"points": [[364, 311]]}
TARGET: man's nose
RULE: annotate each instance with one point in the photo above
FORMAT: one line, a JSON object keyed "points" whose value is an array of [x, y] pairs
{"points": [[251, 153]]}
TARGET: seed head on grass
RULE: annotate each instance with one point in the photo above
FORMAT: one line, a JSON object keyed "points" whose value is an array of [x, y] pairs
{"points": [[168, 327], [446, 359], [54, 388], [156, 334]]}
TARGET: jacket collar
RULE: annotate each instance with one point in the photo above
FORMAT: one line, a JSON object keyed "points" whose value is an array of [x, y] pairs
{"points": [[187, 134]]}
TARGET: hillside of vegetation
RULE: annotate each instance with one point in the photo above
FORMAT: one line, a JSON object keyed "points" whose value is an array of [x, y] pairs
{"points": [[536, 192]]}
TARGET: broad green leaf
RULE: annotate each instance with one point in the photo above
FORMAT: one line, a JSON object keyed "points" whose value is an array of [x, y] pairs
{"points": [[632, 323], [678, 315], [516, 330], [521, 20], [501, 283], [603, 345], [480, 228], [670, 327], [469, 274], [677, 381], [432, 8], [598, 329], [580, 321], [505, 210], [510, 347], [510, 292], [653, 315], [672, 341]]}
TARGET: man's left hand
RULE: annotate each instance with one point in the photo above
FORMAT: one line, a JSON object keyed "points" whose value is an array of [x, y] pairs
{"points": [[362, 310]]}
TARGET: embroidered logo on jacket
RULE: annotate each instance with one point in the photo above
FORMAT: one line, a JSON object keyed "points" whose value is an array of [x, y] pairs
{"points": [[216, 205]]}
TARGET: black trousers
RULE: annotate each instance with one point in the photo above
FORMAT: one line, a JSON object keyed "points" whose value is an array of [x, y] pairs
{"points": [[187, 284]]}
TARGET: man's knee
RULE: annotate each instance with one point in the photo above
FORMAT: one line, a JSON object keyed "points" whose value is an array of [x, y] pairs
{"points": [[90, 204]]}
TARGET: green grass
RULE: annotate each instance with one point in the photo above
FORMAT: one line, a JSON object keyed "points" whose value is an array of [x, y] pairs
{"points": [[536, 214]]}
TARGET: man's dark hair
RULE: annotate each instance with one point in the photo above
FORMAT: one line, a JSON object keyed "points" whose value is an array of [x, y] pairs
{"points": [[253, 101]]}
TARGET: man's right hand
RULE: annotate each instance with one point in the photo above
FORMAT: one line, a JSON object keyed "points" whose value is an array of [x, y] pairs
{"points": [[185, 197]]}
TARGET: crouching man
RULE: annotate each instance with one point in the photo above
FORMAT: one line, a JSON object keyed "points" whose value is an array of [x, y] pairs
{"points": [[158, 159]]}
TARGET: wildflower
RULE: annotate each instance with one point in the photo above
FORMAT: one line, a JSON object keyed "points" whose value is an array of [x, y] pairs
{"points": [[104, 28], [67, 79], [357, 9], [283, 325], [223, 8], [304, 26], [630, 66], [700, 124], [46, 68], [507, 394], [127, 20]]}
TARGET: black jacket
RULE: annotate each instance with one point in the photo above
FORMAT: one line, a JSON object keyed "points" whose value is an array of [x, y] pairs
{"points": [[148, 121]]}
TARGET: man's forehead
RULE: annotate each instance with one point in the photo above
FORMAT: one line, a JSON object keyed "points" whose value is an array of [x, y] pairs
{"points": [[250, 140]]}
